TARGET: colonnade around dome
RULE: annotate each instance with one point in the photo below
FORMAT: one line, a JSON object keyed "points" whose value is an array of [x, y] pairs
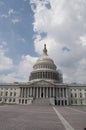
{"points": [[49, 75]]}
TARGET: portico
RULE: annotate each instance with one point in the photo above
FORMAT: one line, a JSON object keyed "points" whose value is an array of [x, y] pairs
{"points": [[45, 89]]}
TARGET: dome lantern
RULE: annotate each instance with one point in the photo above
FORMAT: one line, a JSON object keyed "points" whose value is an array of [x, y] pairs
{"points": [[45, 50]]}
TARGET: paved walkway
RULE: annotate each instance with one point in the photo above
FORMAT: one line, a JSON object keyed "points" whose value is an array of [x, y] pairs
{"points": [[75, 116], [18, 117], [29, 118], [63, 120]]}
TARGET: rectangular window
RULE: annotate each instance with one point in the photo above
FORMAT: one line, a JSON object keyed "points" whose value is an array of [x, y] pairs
{"points": [[14, 100], [1, 93]]}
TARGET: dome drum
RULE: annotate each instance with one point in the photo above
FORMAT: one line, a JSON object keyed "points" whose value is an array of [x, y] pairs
{"points": [[48, 75]]}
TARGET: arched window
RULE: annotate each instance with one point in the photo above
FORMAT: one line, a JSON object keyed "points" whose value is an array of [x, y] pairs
{"points": [[75, 94], [9, 99], [14, 93], [71, 95], [6, 93], [80, 95], [10, 93], [1, 93], [14, 100]]}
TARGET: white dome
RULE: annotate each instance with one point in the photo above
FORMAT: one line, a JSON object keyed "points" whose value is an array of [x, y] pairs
{"points": [[44, 68], [45, 60]]}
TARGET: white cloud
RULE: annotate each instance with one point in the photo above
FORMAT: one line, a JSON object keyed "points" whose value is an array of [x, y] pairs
{"points": [[4, 16], [14, 21], [25, 66], [21, 71], [64, 23], [83, 40], [6, 63], [11, 11]]}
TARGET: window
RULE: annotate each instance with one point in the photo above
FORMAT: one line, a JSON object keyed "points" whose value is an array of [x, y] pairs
{"points": [[10, 93], [71, 95], [5, 100], [85, 95], [9, 99], [14, 100], [14, 93], [71, 101], [80, 95], [1, 93], [75, 95], [75, 101], [6, 93]]}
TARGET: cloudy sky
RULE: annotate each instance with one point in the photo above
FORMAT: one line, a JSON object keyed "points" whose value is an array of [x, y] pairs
{"points": [[26, 25]]}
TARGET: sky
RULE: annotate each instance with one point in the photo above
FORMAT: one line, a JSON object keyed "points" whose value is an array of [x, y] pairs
{"points": [[26, 25]]}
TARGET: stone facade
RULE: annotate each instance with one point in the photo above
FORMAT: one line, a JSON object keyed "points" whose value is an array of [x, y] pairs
{"points": [[45, 87]]}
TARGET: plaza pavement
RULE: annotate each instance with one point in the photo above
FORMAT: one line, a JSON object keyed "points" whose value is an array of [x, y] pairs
{"points": [[18, 117]]}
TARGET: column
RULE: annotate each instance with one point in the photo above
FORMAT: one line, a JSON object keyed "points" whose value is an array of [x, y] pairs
{"points": [[47, 92], [60, 92], [42, 75], [53, 92], [66, 96], [34, 92], [43, 93], [50, 91], [63, 97], [25, 92], [37, 93], [30, 92], [56, 92], [40, 92], [66, 92], [60, 102], [20, 92], [63, 92]]}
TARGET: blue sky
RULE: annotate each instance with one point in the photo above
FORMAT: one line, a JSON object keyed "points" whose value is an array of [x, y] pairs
{"points": [[16, 27], [26, 25]]}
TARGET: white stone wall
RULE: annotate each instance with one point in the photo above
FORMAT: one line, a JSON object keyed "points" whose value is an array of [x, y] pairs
{"points": [[78, 96], [9, 95]]}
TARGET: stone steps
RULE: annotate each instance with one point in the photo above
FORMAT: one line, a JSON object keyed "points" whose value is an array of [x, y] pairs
{"points": [[41, 101]]}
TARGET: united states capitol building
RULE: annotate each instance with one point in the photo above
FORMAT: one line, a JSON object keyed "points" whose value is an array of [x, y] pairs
{"points": [[45, 87]]}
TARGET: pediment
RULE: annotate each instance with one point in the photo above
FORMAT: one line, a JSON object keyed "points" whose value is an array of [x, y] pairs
{"points": [[42, 83]]}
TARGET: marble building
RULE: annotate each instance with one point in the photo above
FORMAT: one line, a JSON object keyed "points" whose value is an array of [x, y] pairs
{"points": [[45, 87]]}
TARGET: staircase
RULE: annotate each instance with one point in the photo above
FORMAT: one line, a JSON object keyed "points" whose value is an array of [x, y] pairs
{"points": [[41, 101]]}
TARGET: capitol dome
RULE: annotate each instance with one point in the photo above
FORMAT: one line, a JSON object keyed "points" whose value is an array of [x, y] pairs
{"points": [[44, 68]]}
